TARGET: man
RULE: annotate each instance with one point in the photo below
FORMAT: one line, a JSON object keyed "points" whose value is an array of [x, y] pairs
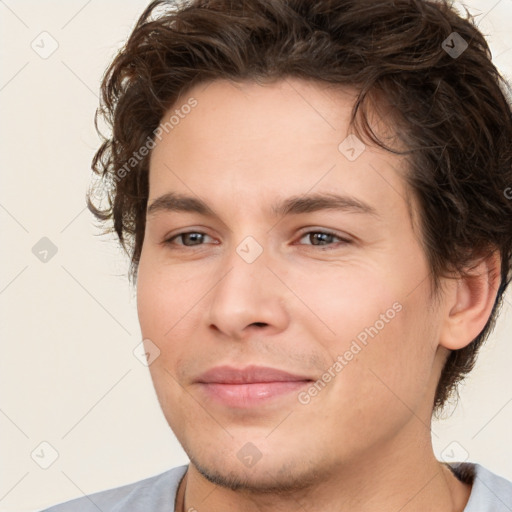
{"points": [[314, 199]]}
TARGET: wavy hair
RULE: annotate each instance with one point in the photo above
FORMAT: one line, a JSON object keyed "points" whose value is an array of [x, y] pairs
{"points": [[450, 112]]}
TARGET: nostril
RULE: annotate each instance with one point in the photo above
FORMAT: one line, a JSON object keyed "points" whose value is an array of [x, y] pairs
{"points": [[259, 324]]}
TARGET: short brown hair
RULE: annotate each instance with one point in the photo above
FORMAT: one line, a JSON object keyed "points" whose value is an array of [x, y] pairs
{"points": [[452, 111]]}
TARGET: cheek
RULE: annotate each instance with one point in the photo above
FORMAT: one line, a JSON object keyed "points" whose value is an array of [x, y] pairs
{"points": [[392, 371], [383, 332], [165, 299], [341, 303], [169, 305], [165, 306]]}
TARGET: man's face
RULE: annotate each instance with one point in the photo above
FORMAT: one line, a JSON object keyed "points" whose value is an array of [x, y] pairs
{"points": [[339, 296]]}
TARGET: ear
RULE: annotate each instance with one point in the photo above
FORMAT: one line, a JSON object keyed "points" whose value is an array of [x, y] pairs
{"points": [[469, 301]]}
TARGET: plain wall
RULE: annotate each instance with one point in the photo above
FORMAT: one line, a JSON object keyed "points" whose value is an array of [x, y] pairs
{"points": [[69, 325]]}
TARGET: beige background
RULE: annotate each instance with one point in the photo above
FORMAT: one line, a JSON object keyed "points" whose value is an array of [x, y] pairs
{"points": [[69, 326]]}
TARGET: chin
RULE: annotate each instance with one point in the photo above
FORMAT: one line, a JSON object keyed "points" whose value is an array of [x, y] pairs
{"points": [[266, 475]]}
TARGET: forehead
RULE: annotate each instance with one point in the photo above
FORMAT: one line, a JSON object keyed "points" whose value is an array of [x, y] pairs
{"points": [[278, 117], [250, 143]]}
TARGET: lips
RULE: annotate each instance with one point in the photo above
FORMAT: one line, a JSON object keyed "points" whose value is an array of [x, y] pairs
{"points": [[248, 375], [250, 387]]}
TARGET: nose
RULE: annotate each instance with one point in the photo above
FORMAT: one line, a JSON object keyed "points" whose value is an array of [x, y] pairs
{"points": [[249, 298]]}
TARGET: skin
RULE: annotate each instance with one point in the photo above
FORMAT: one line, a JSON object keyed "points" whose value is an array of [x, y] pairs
{"points": [[363, 442]]}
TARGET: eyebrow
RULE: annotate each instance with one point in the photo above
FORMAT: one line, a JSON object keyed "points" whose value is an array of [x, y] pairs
{"points": [[295, 205]]}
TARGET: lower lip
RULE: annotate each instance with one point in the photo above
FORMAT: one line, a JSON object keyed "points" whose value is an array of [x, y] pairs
{"points": [[250, 395]]}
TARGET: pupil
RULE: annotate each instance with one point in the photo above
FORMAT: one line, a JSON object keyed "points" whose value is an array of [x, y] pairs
{"points": [[194, 237], [321, 237]]}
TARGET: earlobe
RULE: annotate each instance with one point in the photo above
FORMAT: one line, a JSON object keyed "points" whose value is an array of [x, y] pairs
{"points": [[470, 302]]}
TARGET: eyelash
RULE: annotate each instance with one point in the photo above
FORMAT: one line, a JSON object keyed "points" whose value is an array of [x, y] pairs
{"points": [[342, 241]]}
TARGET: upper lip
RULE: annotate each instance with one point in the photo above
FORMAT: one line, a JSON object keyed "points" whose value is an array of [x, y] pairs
{"points": [[247, 375]]}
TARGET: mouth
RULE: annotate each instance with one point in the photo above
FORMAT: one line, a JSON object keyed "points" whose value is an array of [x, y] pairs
{"points": [[251, 386]]}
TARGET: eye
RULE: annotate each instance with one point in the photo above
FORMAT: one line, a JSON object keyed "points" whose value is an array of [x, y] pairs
{"points": [[188, 238], [316, 238], [322, 238]]}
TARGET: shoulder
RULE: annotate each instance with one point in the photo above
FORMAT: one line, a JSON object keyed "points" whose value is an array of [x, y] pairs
{"points": [[489, 492], [155, 494]]}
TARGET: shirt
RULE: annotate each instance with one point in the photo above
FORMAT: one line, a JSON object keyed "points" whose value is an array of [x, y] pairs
{"points": [[490, 493]]}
